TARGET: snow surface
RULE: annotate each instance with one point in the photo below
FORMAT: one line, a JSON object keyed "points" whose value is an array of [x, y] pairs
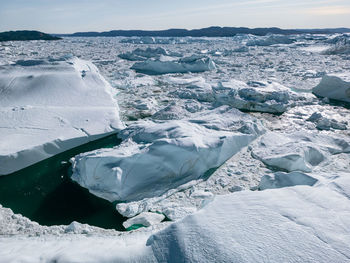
{"points": [[47, 107]]}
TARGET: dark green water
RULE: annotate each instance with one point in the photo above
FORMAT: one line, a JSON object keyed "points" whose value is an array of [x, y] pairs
{"points": [[44, 192]]}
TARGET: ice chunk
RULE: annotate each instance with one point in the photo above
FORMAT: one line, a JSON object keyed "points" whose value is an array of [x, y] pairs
{"points": [[335, 87], [341, 46], [324, 123], [298, 151], [199, 91], [257, 96], [50, 107], [146, 219], [280, 179], [158, 156], [270, 40], [298, 224], [185, 65], [144, 54]]}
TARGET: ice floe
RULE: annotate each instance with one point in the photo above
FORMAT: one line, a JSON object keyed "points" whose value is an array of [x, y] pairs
{"points": [[49, 107], [158, 156], [299, 224], [334, 86], [298, 151], [184, 65]]}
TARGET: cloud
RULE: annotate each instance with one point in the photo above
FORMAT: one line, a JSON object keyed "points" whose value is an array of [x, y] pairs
{"points": [[329, 10]]}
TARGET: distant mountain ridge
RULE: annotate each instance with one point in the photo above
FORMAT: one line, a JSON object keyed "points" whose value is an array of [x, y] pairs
{"points": [[22, 35], [206, 32]]}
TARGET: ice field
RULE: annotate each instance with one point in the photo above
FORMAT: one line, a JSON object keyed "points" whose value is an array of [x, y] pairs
{"points": [[231, 149]]}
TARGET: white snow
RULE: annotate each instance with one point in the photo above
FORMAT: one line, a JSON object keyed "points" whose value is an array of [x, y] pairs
{"points": [[49, 107], [158, 156], [335, 86], [299, 224]]}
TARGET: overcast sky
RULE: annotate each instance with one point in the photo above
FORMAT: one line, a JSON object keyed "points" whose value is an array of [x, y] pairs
{"points": [[68, 16]]}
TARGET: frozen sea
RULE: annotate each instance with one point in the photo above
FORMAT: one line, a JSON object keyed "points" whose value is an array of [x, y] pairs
{"points": [[241, 144]]}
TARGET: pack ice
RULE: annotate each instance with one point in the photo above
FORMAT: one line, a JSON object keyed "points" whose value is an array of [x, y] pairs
{"points": [[160, 155], [47, 107], [334, 86], [298, 224], [184, 65]]}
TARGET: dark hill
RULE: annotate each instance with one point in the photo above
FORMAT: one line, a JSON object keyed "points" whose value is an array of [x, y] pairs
{"points": [[206, 32], [25, 35]]}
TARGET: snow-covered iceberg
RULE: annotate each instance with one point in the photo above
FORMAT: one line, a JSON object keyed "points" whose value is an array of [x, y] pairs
{"points": [[341, 46], [270, 40], [189, 64], [162, 155], [257, 96], [298, 151], [52, 106], [143, 54], [298, 224], [335, 86]]}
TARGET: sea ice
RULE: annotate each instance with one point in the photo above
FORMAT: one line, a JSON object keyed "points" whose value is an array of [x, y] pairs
{"points": [[270, 40], [49, 107], [189, 64], [146, 219], [298, 151], [257, 96], [334, 86], [144, 54], [297, 224], [158, 156], [281, 179]]}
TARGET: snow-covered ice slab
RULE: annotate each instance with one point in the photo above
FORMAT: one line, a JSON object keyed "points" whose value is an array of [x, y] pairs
{"points": [[189, 64], [143, 54], [162, 155], [270, 40], [49, 107], [335, 86], [298, 151], [258, 96], [299, 224]]}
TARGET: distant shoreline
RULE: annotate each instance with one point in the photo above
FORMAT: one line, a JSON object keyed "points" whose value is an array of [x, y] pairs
{"points": [[25, 35], [205, 32]]}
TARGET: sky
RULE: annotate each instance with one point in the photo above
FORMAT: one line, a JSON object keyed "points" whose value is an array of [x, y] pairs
{"points": [[69, 16]]}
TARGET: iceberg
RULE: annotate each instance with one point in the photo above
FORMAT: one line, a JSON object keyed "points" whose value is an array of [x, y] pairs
{"points": [[190, 64], [50, 107], [160, 155], [298, 151], [257, 96], [334, 86], [341, 46], [297, 224], [281, 179], [270, 40], [143, 54]]}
